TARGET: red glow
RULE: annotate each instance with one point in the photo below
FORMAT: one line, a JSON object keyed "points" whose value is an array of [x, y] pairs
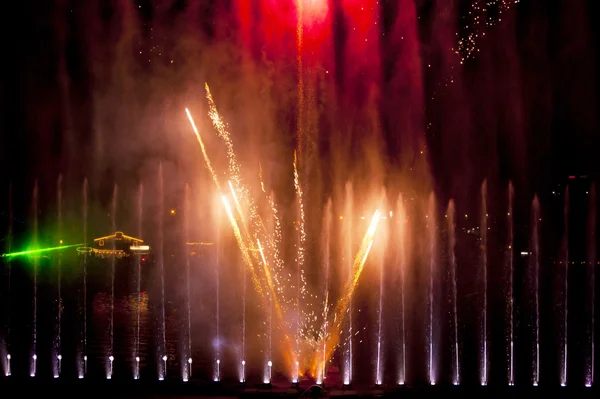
{"points": [[143, 259], [314, 10], [571, 177]]}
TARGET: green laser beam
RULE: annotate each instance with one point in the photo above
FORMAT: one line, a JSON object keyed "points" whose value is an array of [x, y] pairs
{"points": [[37, 251]]}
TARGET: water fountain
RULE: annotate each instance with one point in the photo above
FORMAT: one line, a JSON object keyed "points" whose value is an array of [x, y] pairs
{"points": [[401, 221], [535, 260], [484, 332], [565, 315], [591, 299], [451, 215], [186, 366], [111, 331], [510, 295], [57, 362], [348, 254], [138, 279], [432, 236], [82, 353], [33, 364], [162, 337]]}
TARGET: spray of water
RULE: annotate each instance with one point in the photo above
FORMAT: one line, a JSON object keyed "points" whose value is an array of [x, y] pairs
{"points": [[138, 279], [510, 256], [33, 366], [452, 254], [484, 337], [162, 368], [565, 337], [83, 355], [402, 236], [432, 259], [111, 351], [57, 357], [186, 365], [348, 228], [535, 256], [589, 377]]}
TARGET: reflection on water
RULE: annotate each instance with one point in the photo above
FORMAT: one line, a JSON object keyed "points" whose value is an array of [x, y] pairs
{"points": [[126, 308]]}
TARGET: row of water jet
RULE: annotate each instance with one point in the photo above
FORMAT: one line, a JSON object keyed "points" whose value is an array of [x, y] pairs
{"points": [[400, 215], [565, 347], [162, 338], [57, 356], [111, 332], [589, 369], [510, 296], [348, 255], [535, 269], [483, 248], [33, 353], [452, 255]]}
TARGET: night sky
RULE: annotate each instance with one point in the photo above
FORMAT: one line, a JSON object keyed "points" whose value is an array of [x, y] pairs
{"points": [[84, 85]]}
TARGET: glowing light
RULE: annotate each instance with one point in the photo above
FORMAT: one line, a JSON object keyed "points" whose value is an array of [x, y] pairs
{"points": [[164, 358], [8, 357], [59, 357], [535, 384], [80, 376], [588, 385], [111, 358], [161, 378], [37, 251], [55, 376], [190, 360], [270, 364], [399, 382], [173, 212], [34, 357], [218, 361], [137, 359], [243, 362], [562, 384]]}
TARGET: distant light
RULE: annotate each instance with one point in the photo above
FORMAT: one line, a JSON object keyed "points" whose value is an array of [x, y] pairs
{"points": [[140, 247], [32, 375], [295, 381], [59, 357], [173, 211], [216, 380], [588, 385], [378, 382], [161, 378], [190, 360], [111, 358], [60, 242], [571, 177], [85, 358], [267, 381], [8, 357], [164, 358], [218, 361], [137, 359], [562, 384], [185, 379], [535, 384], [524, 253], [270, 363], [455, 383], [401, 382], [34, 357], [108, 377], [55, 376], [243, 362], [80, 376]]}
